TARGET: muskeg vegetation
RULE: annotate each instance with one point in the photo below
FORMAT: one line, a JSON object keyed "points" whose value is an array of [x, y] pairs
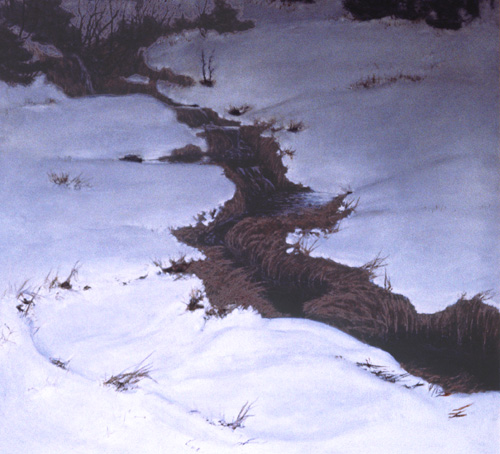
{"points": [[248, 262]]}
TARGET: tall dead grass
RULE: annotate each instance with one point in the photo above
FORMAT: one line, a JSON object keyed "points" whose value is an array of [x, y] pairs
{"points": [[248, 263]]}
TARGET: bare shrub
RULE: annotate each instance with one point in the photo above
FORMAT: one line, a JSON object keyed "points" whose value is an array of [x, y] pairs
{"points": [[65, 180], [207, 68]]}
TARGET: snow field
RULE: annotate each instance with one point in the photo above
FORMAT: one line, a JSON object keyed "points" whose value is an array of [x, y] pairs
{"points": [[300, 377], [306, 392], [421, 156]]}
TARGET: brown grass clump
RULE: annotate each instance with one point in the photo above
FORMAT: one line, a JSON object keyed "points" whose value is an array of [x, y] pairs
{"points": [[237, 111], [228, 285], [55, 282], [250, 263], [188, 154], [125, 381], [195, 298], [63, 179], [177, 266], [59, 363]]}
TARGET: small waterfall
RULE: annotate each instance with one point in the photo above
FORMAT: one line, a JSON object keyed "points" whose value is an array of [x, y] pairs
{"points": [[84, 75]]}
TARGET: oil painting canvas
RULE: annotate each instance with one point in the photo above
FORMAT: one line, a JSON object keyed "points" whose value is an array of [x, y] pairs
{"points": [[249, 226]]}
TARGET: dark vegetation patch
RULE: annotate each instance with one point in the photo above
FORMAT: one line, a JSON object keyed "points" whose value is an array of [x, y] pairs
{"points": [[188, 154], [237, 111], [132, 158], [374, 81], [15, 66], [295, 126], [449, 14], [101, 43]]}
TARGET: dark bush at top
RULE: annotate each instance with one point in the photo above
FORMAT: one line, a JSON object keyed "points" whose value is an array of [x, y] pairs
{"points": [[14, 59], [450, 14], [45, 20]]}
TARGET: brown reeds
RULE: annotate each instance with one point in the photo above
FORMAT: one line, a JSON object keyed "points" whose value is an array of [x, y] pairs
{"points": [[250, 263]]}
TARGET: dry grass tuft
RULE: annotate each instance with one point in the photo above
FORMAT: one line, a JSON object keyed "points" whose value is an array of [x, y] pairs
{"points": [[239, 421], [125, 381], [295, 126], [63, 179], [66, 283], [26, 298], [196, 296], [290, 152], [373, 265], [237, 111], [384, 374], [59, 363], [459, 412], [177, 266], [267, 125], [229, 285]]}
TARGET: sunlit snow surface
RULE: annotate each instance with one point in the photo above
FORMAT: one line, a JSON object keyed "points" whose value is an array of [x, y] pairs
{"points": [[307, 393]]}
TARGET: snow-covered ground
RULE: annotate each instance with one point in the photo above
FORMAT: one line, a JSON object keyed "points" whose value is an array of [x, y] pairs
{"points": [[421, 156], [428, 185]]}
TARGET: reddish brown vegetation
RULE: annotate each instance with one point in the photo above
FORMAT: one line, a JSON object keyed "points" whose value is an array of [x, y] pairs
{"points": [[249, 263]]}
